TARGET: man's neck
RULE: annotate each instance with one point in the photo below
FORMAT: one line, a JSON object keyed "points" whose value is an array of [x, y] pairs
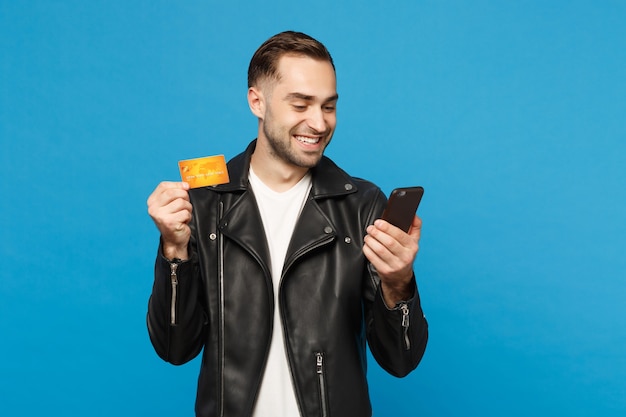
{"points": [[277, 175]]}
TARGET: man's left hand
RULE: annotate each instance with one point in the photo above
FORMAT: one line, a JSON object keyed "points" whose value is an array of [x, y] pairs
{"points": [[392, 252]]}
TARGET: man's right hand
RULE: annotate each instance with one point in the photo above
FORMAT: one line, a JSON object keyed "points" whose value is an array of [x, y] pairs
{"points": [[170, 209]]}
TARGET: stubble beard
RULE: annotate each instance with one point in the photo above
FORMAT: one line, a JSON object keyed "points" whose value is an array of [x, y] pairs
{"points": [[281, 148]]}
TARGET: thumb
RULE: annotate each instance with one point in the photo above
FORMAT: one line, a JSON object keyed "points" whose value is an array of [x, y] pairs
{"points": [[416, 227]]}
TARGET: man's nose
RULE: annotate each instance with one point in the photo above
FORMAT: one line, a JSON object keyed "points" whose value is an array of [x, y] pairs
{"points": [[316, 119]]}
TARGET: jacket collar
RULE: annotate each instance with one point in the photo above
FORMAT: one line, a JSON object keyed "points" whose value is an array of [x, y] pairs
{"points": [[328, 180]]}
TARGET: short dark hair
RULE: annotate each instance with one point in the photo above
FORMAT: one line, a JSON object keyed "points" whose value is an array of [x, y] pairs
{"points": [[264, 62]]}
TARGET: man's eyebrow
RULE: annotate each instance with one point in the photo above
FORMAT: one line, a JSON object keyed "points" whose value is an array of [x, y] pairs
{"points": [[300, 96]]}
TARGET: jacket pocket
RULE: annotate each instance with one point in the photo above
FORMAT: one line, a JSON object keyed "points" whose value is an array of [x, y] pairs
{"points": [[320, 370]]}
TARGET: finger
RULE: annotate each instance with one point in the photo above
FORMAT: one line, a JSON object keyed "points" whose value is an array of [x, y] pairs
{"points": [[379, 237], [373, 241], [165, 188], [166, 197], [167, 185], [396, 253], [395, 240], [179, 220], [178, 204], [395, 232], [174, 227], [175, 212], [378, 255], [168, 217], [163, 207], [382, 248], [386, 266], [174, 184], [416, 228], [371, 255]]}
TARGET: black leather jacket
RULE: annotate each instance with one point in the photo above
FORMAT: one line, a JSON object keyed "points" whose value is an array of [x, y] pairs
{"points": [[222, 299]]}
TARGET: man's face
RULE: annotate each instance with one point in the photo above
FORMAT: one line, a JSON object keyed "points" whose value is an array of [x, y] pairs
{"points": [[300, 111]]}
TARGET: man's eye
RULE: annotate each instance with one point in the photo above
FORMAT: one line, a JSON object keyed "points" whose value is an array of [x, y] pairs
{"points": [[329, 108], [299, 107]]}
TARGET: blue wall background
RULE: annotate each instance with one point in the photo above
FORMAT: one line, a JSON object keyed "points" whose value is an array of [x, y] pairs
{"points": [[510, 114]]}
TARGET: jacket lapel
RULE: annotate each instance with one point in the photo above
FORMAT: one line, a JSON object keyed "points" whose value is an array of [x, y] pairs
{"points": [[312, 230], [242, 223]]}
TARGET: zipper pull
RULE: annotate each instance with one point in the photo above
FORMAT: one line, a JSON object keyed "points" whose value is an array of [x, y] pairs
{"points": [[174, 280], [405, 324], [319, 369], [319, 363]]}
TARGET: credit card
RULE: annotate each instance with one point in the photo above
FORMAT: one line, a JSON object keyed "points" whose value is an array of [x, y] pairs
{"points": [[204, 172]]}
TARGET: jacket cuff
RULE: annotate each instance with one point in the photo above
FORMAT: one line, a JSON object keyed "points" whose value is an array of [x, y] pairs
{"points": [[408, 301], [162, 259]]}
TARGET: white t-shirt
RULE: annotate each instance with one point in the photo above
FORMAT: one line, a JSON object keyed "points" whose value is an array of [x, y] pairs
{"points": [[279, 212]]}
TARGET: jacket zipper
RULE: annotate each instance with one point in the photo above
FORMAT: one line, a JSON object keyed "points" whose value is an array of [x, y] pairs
{"points": [[321, 379], [319, 356], [404, 307], [221, 349], [174, 280]]}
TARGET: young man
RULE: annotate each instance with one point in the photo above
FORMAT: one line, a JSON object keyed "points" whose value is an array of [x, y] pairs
{"points": [[282, 274]]}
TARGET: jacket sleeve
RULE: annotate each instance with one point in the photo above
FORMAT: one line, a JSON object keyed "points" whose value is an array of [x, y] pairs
{"points": [[176, 319], [397, 335]]}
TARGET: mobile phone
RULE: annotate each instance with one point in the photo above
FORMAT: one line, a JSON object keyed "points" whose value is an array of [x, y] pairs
{"points": [[402, 205]]}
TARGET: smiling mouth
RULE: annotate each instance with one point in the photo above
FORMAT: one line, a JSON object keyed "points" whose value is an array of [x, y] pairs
{"points": [[308, 140]]}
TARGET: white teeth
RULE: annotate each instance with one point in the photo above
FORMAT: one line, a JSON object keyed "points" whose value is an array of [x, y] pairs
{"points": [[308, 140]]}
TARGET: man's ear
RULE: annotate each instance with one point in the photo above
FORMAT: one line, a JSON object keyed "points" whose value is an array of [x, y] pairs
{"points": [[256, 101]]}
